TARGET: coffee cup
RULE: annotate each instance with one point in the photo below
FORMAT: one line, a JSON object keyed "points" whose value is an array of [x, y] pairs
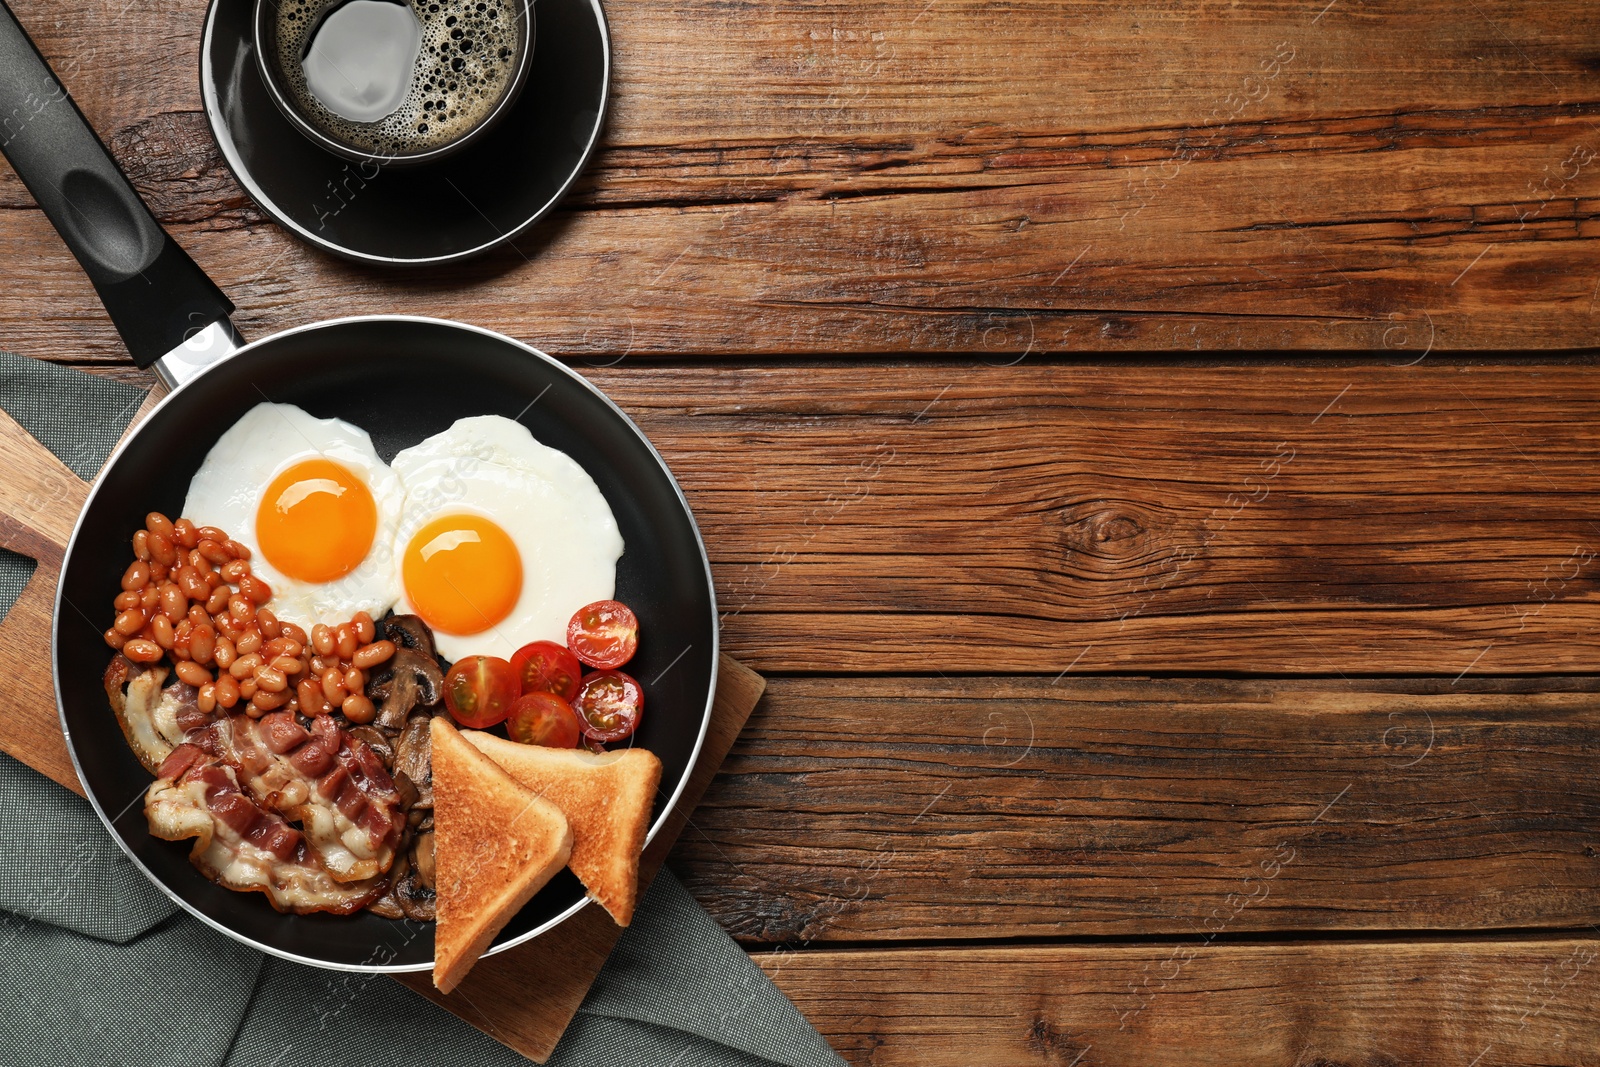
{"points": [[394, 82]]}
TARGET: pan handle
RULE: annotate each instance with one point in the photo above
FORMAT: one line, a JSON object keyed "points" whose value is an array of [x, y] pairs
{"points": [[156, 295]]}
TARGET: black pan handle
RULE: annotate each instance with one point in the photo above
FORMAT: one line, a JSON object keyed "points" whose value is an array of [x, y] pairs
{"points": [[156, 295]]}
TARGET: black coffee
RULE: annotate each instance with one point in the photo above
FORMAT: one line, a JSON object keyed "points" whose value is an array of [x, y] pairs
{"points": [[397, 79]]}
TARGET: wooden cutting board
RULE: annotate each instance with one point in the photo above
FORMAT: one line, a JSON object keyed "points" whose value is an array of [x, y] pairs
{"points": [[523, 998]]}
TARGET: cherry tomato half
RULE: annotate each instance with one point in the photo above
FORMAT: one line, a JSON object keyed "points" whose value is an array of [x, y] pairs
{"points": [[604, 634], [479, 691], [609, 704], [546, 667], [541, 718]]}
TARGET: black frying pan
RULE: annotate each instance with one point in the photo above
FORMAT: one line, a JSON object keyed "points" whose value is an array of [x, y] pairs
{"points": [[401, 379]]}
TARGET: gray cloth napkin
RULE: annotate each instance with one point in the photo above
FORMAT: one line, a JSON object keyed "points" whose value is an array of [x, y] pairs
{"points": [[97, 967]]}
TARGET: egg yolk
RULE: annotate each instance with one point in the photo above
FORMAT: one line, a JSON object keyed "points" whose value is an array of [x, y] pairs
{"points": [[462, 574], [316, 521]]}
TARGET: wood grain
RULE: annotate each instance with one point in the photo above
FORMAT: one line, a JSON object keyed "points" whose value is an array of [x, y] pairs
{"points": [[885, 809], [1347, 517], [525, 997], [1531, 1003], [927, 177]]}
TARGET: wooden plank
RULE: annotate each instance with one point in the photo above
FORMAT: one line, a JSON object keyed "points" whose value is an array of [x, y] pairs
{"points": [[1507, 1003], [526, 997], [1045, 177], [925, 808], [1346, 516]]}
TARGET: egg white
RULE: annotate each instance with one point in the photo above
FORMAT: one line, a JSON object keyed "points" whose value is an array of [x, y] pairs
{"points": [[227, 490], [552, 510]]}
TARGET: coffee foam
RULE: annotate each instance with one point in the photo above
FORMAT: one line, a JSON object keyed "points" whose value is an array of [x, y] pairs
{"points": [[470, 51]]}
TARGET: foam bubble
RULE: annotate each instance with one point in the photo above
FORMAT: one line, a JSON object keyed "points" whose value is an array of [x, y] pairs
{"points": [[470, 51]]}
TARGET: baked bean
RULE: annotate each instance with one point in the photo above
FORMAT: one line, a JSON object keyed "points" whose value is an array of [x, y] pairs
{"points": [[194, 674], [130, 622], [214, 580], [192, 585], [333, 686], [142, 651], [211, 533], [271, 679], [141, 545], [355, 680], [161, 631], [234, 569], [158, 523], [242, 608], [198, 562], [269, 699], [227, 691], [238, 550], [288, 646], [184, 533], [203, 643], [162, 550], [137, 576], [225, 653], [245, 666], [226, 626], [249, 641], [173, 601], [128, 598], [318, 665], [247, 688], [150, 599], [287, 665], [345, 638], [114, 639], [270, 626], [295, 634], [309, 694], [198, 614], [159, 572], [365, 630], [255, 589], [206, 700], [358, 709], [322, 639], [217, 600], [214, 552], [369, 656]]}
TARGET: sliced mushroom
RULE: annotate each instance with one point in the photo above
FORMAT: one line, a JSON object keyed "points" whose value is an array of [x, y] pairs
{"points": [[413, 757], [409, 680], [415, 898], [409, 631], [387, 906], [422, 858]]}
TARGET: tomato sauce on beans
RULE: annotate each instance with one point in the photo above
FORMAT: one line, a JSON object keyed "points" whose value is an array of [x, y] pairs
{"points": [[190, 597]]}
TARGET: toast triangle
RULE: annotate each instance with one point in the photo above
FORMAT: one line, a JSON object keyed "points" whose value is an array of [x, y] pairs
{"points": [[496, 844], [607, 798]]}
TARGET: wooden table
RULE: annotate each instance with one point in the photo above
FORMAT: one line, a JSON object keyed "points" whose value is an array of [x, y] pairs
{"points": [[1140, 443]]}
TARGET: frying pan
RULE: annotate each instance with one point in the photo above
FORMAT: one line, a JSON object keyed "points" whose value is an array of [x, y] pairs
{"points": [[400, 378]]}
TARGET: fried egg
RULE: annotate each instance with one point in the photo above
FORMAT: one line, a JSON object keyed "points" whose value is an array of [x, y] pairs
{"points": [[501, 538], [315, 505]]}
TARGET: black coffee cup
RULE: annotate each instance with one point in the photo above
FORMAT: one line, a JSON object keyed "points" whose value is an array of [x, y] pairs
{"points": [[472, 62]]}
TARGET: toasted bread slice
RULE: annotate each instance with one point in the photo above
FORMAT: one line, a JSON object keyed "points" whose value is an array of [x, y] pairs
{"points": [[495, 844], [607, 799]]}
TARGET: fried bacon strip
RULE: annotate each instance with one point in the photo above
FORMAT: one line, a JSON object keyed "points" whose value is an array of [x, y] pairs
{"points": [[333, 784], [239, 844]]}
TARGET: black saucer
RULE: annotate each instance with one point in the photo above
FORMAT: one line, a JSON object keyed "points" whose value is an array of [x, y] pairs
{"points": [[463, 205]]}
